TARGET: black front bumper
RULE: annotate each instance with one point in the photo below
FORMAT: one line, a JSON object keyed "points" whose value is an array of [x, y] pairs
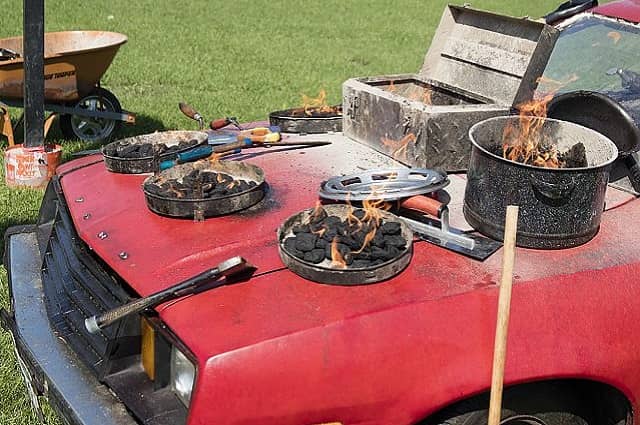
{"points": [[55, 370]]}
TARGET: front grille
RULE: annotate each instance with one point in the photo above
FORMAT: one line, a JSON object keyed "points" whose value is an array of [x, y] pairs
{"points": [[77, 286]]}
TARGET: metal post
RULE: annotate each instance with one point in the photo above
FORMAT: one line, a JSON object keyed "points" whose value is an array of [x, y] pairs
{"points": [[33, 46]]}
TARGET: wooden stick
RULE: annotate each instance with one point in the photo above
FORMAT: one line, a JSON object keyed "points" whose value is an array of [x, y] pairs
{"points": [[502, 322]]}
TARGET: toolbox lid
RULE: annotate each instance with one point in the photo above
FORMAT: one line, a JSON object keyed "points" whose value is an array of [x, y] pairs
{"points": [[497, 57]]}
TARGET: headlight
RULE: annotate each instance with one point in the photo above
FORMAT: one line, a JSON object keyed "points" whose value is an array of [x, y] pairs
{"points": [[183, 374]]}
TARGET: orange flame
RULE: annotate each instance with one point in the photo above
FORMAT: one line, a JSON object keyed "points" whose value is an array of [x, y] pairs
{"points": [[311, 105], [392, 87], [525, 142], [231, 185], [398, 148], [367, 239], [215, 157], [337, 260], [422, 94]]}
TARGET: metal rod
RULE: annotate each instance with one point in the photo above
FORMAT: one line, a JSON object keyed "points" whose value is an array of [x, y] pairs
{"points": [[504, 308], [33, 45]]}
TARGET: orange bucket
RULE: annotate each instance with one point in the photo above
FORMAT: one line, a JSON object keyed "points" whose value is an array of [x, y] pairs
{"points": [[30, 167]]}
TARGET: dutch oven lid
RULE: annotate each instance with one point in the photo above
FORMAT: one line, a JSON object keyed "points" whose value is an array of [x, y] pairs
{"points": [[497, 57]]}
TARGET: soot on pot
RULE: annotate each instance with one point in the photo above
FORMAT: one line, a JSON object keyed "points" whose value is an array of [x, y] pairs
{"points": [[199, 184], [359, 241], [125, 149]]}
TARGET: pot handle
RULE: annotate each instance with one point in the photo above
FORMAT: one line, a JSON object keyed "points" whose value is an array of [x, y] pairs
{"points": [[424, 204], [552, 191]]}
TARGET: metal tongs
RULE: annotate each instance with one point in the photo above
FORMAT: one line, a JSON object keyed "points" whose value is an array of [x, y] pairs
{"points": [[233, 270]]}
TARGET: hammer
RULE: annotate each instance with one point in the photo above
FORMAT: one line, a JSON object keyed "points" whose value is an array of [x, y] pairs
{"points": [[233, 267]]}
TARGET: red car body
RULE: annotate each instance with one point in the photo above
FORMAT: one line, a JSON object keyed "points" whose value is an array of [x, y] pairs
{"points": [[279, 349]]}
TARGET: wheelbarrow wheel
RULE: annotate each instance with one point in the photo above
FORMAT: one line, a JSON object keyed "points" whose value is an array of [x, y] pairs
{"points": [[92, 129]]}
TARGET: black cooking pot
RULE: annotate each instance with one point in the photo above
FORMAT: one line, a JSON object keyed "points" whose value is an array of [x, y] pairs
{"points": [[559, 207]]}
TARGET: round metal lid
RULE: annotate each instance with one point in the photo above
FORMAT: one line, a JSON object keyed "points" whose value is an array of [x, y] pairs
{"points": [[383, 184]]}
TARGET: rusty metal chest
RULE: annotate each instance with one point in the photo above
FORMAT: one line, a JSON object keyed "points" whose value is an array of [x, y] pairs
{"points": [[479, 65]]}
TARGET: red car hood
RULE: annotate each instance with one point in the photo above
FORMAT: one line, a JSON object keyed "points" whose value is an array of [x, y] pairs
{"points": [[275, 302], [629, 10]]}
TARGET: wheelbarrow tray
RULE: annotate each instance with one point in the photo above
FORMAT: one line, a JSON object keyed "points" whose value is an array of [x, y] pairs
{"points": [[74, 62]]}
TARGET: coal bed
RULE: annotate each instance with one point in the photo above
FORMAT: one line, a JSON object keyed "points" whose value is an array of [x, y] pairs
{"points": [[125, 149], [339, 244], [143, 153], [204, 189], [199, 184]]}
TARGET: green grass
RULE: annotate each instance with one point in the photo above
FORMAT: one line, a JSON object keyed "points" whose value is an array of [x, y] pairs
{"points": [[243, 58]]}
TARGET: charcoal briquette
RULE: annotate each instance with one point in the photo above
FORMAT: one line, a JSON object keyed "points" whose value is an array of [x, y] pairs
{"points": [[351, 242], [329, 234], [359, 213], [378, 240], [378, 253], [360, 264], [209, 177], [321, 243], [396, 241], [305, 241], [318, 215], [314, 256], [301, 228], [146, 149], [110, 150], [332, 220], [391, 228], [290, 247], [391, 252]]}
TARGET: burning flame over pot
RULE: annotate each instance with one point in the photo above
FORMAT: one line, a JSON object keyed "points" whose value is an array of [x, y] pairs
{"points": [[314, 105], [526, 142]]}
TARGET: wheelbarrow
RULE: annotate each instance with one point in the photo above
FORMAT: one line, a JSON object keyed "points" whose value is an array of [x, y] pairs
{"points": [[74, 62]]}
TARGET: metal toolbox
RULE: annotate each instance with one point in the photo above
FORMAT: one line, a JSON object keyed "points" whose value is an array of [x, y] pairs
{"points": [[479, 65]]}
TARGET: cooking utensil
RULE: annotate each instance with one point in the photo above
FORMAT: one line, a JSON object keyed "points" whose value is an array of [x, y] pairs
{"points": [[559, 207], [349, 276], [606, 116], [192, 113], [229, 268], [440, 233], [200, 208], [223, 122], [229, 149], [406, 186], [502, 321]]}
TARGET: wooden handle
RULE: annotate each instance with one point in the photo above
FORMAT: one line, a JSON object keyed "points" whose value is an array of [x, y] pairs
{"points": [[502, 322], [189, 111], [424, 204], [219, 123], [232, 146]]}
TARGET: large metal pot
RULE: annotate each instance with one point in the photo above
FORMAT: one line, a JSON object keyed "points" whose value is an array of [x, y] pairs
{"points": [[559, 207]]}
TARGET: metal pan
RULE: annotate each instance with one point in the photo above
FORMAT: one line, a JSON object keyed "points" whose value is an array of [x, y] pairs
{"points": [[324, 273], [290, 122], [149, 164], [201, 208], [606, 116]]}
